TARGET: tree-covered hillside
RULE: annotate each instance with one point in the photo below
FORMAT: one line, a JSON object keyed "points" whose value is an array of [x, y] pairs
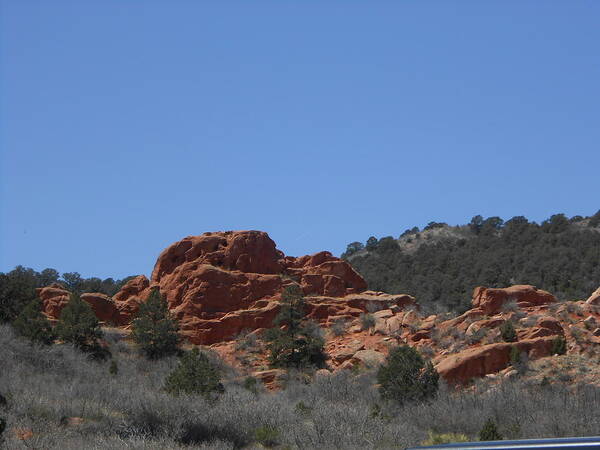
{"points": [[441, 265]]}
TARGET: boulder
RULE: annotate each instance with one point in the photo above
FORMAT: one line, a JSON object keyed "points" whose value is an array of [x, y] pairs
{"points": [[368, 358], [103, 306], [474, 362], [594, 299], [491, 300], [347, 351]]}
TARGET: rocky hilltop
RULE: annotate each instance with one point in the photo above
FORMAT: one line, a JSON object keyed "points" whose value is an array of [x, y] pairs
{"points": [[221, 284]]}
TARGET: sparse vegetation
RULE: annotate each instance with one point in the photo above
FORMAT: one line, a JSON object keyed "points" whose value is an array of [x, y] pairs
{"points": [[367, 321], [559, 346], [46, 383], [444, 438]]}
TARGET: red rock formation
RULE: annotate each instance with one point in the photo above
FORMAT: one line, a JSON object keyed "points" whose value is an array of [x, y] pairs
{"points": [[128, 299], [490, 300], [54, 298], [103, 306], [479, 361], [219, 284]]}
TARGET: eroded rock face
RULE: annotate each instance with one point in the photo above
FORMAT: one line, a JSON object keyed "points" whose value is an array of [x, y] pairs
{"points": [[218, 284], [476, 362], [491, 300], [54, 298], [103, 306]]}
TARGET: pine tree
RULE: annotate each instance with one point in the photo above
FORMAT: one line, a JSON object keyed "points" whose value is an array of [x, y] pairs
{"points": [[195, 374], [490, 432], [79, 325], [291, 342], [154, 330], [508, 332], [33, 325], [405, 376]]}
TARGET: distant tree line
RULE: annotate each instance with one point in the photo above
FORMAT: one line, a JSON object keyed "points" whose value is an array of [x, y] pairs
{"points": [[561, 255], [17, 287]]}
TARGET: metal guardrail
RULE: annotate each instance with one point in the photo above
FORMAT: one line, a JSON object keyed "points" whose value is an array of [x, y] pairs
{"points": [[539, 444]]}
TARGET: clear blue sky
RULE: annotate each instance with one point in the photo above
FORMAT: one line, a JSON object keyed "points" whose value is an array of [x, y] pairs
{"points": [[127, 125]]}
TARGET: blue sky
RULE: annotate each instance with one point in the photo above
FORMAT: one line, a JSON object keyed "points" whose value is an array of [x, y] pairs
{"points": [[126, 125]]}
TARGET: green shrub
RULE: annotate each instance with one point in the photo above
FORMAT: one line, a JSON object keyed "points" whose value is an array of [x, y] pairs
{"points": [[367, 321], [195, 374], [515, 356], [266, 435], [490, 432], [559, 346], [78, 325], [508, 332], [33, 325], [154, 330], [338, 327], [296, 345], [113, 369], [251, 384], [444, 438], [405, 376]]}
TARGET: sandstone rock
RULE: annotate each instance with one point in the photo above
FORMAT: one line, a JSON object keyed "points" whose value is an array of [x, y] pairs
{"points": [[491, 300], [545, 326], [596, 332], [348, 351], [270, 378], [218, 284], [475, 362], [103, 306], [410, 318], [368, 358], [594, 298], [54, 298], [383, 314]]}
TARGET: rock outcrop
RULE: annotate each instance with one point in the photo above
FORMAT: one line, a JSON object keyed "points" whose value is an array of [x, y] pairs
{"points": [[491, 301], [218, 284], [594, 298], [54, 298]]}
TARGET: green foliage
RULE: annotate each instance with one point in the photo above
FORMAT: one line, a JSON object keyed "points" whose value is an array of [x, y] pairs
{"points": [[559, 346], [292, 343], [367, 321], [154, 330], [78, 324], [113, 369], [251, 384], [558, 256], [266, 435], [515, 356], [353, 248], [490, 432], [444, 438], [195, 375], [508, 332], [17, 287], [33, 325], [405, 376]]}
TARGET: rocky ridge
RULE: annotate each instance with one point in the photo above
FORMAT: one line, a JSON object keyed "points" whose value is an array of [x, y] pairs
{"points": [[219, 285]]}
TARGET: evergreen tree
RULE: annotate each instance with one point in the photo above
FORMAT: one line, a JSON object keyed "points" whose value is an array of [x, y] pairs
{"points": [[79, 325], [405, 376], [291, 343], [195, 374], [33, 325], [508, 332], [490, 432], [154, 329]]}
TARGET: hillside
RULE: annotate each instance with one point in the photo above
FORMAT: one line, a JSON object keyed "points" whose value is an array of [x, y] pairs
{"points": [[441, 264]]}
